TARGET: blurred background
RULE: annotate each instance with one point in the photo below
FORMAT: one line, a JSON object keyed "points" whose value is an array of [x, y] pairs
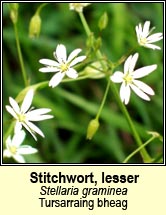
{"points": [[74, 104]]}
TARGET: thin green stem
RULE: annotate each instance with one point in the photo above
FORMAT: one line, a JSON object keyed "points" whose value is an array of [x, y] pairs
{"points": [[85, 24], [145, 156], [103, 100], [138, 149], [89, 33], [20, 55], [40, 7], [99, 56]]}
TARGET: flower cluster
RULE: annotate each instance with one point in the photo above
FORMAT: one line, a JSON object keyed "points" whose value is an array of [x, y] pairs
{"points": [[129, 77], [63, 65], [23, 116]]}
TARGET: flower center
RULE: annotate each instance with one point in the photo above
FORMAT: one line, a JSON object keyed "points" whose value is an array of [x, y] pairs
{"points": [[128, 79], [21, 117], [64, 67], [13, 149], [143, 41]]}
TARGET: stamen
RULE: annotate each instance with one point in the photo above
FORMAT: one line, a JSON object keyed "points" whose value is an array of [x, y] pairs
{"points": [[143, 41], [21, 117], [128, 79], [64, 67], [13, 149]]}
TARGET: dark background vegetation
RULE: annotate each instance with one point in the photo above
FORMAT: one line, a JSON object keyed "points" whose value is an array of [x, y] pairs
{"points": [[74, 104]]}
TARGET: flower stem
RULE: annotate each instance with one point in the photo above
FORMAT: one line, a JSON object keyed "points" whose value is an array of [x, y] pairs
{"points": [[103, 100], [20, 55], [85, 24], [40, 7], [138, 149], [145, 156]]}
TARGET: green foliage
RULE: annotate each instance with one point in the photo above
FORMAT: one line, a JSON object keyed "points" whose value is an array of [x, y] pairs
{"points": [[74, 104]]}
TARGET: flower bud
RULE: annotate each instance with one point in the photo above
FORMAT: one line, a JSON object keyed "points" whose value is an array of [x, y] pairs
{"points": [[94, 70], [103, 21], [35, 26], [92, 128], [13, 11]]}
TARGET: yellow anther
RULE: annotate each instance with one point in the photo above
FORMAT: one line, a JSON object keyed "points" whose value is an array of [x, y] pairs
{"points": [[13, 149], [21, 118], [64, 67], [143, 41], [128, 79]]}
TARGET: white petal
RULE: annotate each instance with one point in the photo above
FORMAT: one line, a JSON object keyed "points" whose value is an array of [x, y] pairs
{"points": [[72, 73], [140, 28], [73, 54], [34, 128], [133, 62], [18, 138], [77, 60], [8, 141], [7, 153], [140, 93], [125, 93], [146, 29], [61, 53], [11, 111], [26, 150], [48, 62], [56, 79], [117, 77], [152, 46], [139, 73], [38, 112], [49, 69], [144, 87], [138, 32], [127, 64], [18, 127], [19, 158], [27, 101], [14, 105], [34, 117], [30, 131], [154, 38]]}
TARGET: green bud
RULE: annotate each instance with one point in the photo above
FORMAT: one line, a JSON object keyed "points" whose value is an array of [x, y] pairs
{"points": [[92, 128], [90, 41], [13, 11], [94, 70], [98, 43], [35, 26], [103, 21]]}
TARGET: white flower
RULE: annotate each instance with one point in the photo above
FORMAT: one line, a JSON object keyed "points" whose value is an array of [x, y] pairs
{"points": [[25, 115], [13, 148], [63, 65], [129, 79], [144, 38], [78, 6]]}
